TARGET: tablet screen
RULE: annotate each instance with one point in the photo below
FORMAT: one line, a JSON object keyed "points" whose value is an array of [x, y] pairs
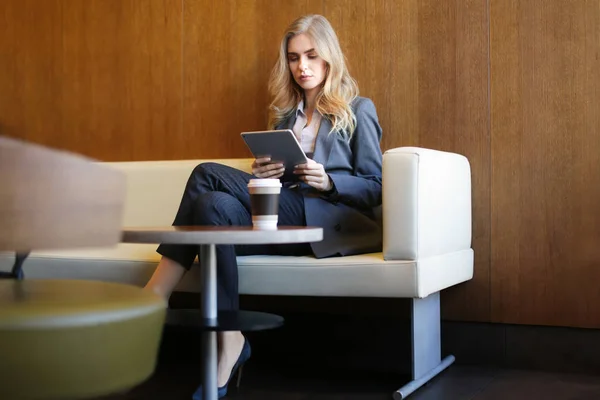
{"points": [[281, 145]]}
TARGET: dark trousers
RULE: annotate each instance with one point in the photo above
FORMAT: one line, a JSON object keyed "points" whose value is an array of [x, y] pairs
{"points": [[216, 194]]}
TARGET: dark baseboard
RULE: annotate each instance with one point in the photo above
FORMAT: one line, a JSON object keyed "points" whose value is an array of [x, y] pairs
{"points": [[546, 348], [374, 334]]}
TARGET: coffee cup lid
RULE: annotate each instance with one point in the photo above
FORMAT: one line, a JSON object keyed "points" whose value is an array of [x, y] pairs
{"points": [[264, 182]]}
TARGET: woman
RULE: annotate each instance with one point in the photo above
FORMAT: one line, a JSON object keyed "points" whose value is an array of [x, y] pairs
{"points": [[315, 96]]}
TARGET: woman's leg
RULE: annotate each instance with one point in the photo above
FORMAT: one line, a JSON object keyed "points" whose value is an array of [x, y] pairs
{"points": [[218, 195], [291, 212], [205, 178], [222, 209], [165, 277]]}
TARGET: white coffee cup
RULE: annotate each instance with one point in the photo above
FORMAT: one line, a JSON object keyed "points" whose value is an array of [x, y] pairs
{"points": [[264, 202]]}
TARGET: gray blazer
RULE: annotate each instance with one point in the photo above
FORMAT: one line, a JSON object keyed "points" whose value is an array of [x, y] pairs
{"points": [[350, 215]]}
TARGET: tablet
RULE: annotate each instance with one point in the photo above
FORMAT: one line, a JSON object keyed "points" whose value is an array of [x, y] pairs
{"points": [[280, 145]]}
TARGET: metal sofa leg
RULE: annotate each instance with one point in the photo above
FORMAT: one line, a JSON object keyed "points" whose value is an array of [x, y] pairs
{"points": [[426, 344]]}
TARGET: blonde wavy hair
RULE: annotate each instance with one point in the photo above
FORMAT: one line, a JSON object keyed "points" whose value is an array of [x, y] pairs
{"points": [[338, 90]]}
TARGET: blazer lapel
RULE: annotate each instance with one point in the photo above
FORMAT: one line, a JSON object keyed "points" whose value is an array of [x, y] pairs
{"points": [[288, 123], [324, 142]]}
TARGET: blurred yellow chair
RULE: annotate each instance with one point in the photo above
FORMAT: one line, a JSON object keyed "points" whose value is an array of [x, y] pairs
{"points": [[67, 339]]}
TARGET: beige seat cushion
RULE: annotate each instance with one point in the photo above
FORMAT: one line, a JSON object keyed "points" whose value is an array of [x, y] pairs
{"points": [[366, 275]]}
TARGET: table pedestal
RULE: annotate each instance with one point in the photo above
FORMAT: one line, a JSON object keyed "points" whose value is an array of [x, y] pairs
{"points": [[210, 321], [208, 318], [208, 312]]}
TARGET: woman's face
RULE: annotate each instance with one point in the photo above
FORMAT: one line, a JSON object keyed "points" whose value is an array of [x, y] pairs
{"points": [[307, 67]]}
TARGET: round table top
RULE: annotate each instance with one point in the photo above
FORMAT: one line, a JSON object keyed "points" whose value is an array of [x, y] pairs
{"points": [[222, 235]]}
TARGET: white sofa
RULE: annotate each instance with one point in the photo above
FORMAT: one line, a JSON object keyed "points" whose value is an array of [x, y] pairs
{"points": [[427, 245]]}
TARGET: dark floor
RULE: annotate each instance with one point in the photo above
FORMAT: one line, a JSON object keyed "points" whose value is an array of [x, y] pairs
{"points": [[263, 382], [325, 357]]}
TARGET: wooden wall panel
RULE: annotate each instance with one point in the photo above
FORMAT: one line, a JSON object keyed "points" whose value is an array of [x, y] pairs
{"points": [[30, 93], [99, 77], [425, 66], [229, 50], [454, 116], [545, 69], [380, 43]]}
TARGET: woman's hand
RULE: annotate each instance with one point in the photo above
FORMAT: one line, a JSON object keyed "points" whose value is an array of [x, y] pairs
{"points": [[314, 175], [264, 168]]}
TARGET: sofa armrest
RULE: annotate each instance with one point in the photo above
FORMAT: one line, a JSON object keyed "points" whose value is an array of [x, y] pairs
{"points": [[426, 203]]}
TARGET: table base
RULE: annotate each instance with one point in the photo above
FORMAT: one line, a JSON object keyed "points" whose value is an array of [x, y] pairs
{"points": [[245, 321]]}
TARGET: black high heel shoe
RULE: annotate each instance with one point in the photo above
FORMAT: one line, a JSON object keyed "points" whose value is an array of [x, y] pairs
{"points": [[237, 368]]}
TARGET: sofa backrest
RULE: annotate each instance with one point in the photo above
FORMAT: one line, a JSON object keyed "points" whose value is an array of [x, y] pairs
{"points": [[426, 198], [154, 188]]}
